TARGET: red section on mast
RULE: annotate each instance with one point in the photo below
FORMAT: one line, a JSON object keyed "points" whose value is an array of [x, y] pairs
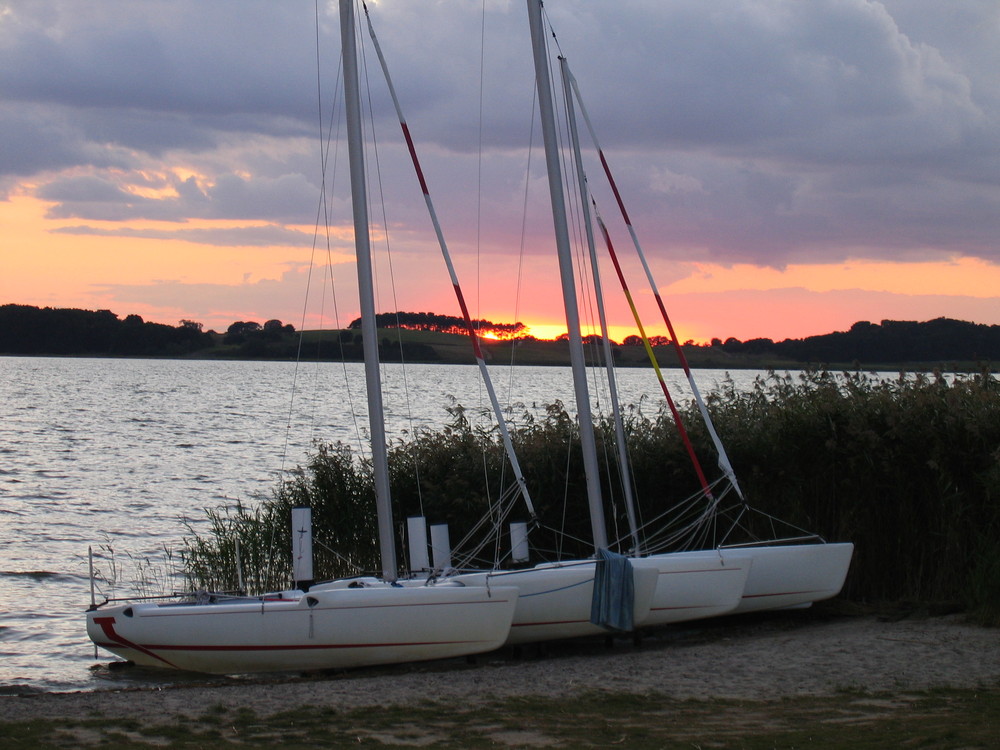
{"points": [[413, 156], [663, 385], [614, 188], [468, 321]]}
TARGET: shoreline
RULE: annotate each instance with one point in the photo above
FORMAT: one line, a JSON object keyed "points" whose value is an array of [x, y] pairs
{"points": [[925, 367], [754, 658]]}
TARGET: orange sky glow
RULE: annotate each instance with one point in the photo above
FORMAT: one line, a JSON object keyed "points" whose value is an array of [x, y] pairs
{"points": [[836, 165], [66, 270]]}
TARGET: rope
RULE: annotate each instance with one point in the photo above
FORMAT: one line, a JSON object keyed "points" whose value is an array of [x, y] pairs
{"points": [[723, 458], [480, 361]]}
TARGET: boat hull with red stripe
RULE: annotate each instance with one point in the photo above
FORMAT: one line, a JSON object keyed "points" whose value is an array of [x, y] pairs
{"points": [[322, 629], [694, 585], [555, 599], [793, 575]]}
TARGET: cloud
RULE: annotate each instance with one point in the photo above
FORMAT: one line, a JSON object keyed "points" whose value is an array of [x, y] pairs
{"points": [[288, 196], [271, 235], [183, 57], [84, 189], [760, 131], [119, 197], [815, 130]]}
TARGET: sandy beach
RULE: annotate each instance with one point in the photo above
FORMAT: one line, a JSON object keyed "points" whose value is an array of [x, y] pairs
{"points": [[757, 659]]}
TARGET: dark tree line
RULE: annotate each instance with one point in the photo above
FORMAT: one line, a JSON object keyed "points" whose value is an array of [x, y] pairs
{"points": [[941, 339], [32, 330], [892, 341], [905, 468], [424, 321], [25, 329]]}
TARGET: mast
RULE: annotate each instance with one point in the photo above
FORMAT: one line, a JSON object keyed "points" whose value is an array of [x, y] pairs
{"points": [[446, 254], [724, 463], [366, 292], [547, 114], [623, 463]]}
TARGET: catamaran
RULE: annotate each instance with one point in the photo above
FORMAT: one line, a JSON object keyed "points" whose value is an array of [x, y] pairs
{"points": [[791, 571], [559, 599], [355, 624]]}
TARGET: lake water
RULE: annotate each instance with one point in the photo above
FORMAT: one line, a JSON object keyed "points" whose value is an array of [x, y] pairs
{"points": [[123, 454]]}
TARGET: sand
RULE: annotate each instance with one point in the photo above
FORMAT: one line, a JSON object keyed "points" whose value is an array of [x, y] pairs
{"points": [[758, 659]]}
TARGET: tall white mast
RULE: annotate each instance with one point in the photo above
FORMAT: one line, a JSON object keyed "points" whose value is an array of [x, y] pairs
{"points": [[724, 463], [366, 292], [480, 360], [547, 113], [623, 463]]}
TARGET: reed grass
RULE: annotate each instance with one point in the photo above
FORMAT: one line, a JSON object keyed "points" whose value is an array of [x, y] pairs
{"points": [[125, 573], [908, 469]]}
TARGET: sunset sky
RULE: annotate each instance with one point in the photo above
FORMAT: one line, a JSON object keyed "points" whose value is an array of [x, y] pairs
{"points": [[790, 167]]}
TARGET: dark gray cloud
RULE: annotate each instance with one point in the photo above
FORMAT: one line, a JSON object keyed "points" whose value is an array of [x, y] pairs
{"points": [[84, 190], [188, 57], [156, 77], [271, 235], [289, 198], [763, 131]]}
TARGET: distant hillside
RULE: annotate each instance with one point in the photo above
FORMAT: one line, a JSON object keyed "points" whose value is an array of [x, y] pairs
{"points": [[24, 329], [59, 331], [424, 321], [894, 341]]}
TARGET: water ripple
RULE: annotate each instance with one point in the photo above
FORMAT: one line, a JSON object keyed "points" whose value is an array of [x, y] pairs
{"points": [[113, 453], [38, 575]]}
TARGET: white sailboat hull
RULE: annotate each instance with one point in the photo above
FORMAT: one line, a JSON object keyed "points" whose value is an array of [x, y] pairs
{"points": [[793, 575], [694, 585], [322, 629], [554, 599]]}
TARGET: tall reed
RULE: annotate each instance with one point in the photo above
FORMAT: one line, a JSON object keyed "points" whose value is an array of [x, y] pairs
{"points": [[908, 469]]}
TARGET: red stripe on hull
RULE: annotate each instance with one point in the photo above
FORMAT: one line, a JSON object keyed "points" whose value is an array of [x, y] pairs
{"points": [[782, 593], [149, 649], [108, 626]]}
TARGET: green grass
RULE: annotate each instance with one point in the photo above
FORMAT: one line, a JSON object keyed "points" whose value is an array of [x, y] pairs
{"points": [[931, 719]]}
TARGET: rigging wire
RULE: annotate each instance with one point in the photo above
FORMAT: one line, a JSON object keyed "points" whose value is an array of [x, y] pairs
{"points": [[410, 444], [723, 459], [321, 228], [602, 378], [486, 380]]}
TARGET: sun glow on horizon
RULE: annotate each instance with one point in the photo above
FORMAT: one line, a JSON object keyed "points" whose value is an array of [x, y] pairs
{"points": [[166, 272], [617, 333], [544, 331]]}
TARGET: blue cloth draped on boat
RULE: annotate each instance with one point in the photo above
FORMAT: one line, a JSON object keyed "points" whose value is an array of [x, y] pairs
{"points": [[613, 601]]}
